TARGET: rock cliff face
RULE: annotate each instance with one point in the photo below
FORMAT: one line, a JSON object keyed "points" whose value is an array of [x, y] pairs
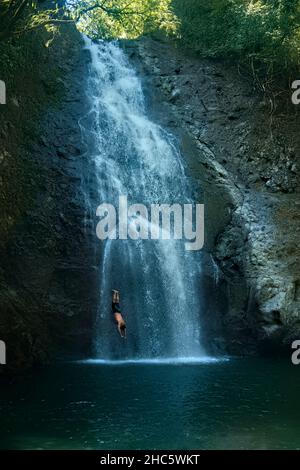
{"points": [[245, 157], [48, 273]]}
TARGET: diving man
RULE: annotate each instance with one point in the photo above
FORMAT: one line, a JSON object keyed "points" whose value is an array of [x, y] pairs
{"points": [[117, 313]]}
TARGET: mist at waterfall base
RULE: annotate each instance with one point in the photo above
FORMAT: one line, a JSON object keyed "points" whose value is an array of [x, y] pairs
{"points": [[134, 157]]}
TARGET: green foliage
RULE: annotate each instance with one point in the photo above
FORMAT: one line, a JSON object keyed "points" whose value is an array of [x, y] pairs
{"points": [[262, 33], [20, 16], [267, 31], [123, 18]]}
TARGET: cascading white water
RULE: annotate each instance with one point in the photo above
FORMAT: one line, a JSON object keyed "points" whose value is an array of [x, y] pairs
{"points": [[133, 156]]}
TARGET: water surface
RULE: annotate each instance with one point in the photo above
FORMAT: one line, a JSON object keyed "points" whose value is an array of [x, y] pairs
{"points": [[235, 404]]}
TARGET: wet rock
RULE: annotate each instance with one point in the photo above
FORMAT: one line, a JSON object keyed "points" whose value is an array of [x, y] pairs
{"points": [[257, 246], [175, 95], [48, 314]]}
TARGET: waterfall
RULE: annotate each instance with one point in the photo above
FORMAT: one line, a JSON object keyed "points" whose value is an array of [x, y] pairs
{"points": [[133, 156]]}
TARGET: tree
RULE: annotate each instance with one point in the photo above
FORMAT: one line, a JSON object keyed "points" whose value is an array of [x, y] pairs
{"points": [[11, 13], [122, 18], [98, 18]]}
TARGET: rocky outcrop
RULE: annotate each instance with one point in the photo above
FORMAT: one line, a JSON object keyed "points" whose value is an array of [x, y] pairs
{"points": [[245, 156], [48, 274]]}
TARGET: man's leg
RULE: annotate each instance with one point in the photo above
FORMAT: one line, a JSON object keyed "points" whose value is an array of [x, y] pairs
{"points": [[119, 328], [115, 296]]}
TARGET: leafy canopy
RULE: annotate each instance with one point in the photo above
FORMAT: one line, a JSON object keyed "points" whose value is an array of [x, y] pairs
{"points": [[122, 18], [258, 31]]}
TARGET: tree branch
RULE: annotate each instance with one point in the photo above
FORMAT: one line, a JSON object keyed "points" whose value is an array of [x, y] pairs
{"points": [[16, 8]]}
